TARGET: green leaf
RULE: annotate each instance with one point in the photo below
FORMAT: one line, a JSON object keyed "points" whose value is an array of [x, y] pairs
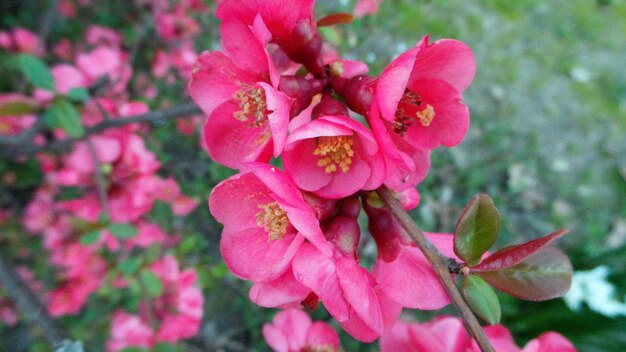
{"points": [[129, 266], [36, 71], [482, 299], [152, 283], [63, 114], [91, 237], [103, 218], [544, 275], [78, 95], [123, 231], [477, 229]]}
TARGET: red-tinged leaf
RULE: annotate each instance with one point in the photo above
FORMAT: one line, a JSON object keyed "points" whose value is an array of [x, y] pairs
{"points": [[335, 18], [477, 229], [545, 275], [513, 255], [482, 299]]}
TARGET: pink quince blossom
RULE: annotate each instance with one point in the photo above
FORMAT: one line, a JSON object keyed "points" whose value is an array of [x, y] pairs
{"points": [[237, 91], [447, 334], [419, 93], [128, 330], [293, 331], [265, 221], [333, 157], [366, 7]]}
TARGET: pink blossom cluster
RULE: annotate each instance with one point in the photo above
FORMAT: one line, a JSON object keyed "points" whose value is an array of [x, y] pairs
{"points": [[174, 315], [274, 91], [447, 334], [293, 331], [113, 178]]}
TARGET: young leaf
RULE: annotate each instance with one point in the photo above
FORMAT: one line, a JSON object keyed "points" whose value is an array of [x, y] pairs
{"points": [[482, 299], [36, 71], [512, 255], [477, 229], [544, 275], [123, 231], [64, 115], [152, 283], [335, 18]]}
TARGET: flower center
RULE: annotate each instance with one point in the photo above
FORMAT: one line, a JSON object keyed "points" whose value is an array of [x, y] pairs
{"points": [[273, 219], [411, 108], [334, 153], [252, 105]]}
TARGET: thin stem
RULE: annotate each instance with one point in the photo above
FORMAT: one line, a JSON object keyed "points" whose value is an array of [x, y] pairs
{"points": [[27, 149], [100, 179], [440, 265], [29, 305]]}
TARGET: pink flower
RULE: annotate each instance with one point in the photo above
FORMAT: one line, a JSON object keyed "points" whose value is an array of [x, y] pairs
{"points": [[291, 24], [333, 157], [128, 330], [447, 334], [366, 7], [237, 90], [265, 221], [405, 164], [419, 93], [284, 291], [293, 331], [410, 280], [348, 291]]}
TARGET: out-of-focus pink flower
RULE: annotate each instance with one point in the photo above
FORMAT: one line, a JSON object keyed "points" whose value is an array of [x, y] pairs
{"points": [[183, 205], [105, 61], [63, 49], [20, 40], [128, 330], [447, 334], [366, 7], [65, 77], [333, 157], [265, 221], [97, 35], [419, 93], [237, 90], [293, 331], [176, 25]]}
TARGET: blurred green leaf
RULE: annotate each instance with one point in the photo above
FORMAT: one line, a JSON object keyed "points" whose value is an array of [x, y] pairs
{"points": [[482, 299], [17, 108], [63, 114], [152, 283], [123, 231], [90, 237], [129, 266], [36, 71], [78, 95], [477, 229]]}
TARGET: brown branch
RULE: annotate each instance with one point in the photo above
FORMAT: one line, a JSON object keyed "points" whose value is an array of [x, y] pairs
{"points": [[440, 264], [29, 305], [27, 149], [100, 179]]}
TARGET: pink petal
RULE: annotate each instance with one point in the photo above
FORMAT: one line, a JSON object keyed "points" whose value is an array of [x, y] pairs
{"points": [[240, 44], [448, 60], [282, 291], [295, 323], [250, 254], [392, 82], [275, 338], [318, 272], [320, 335]]}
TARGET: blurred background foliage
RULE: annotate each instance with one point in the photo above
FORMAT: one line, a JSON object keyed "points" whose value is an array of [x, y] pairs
{"points": [[547, 142]]}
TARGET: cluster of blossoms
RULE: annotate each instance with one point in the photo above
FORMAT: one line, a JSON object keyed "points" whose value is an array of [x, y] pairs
{"points": [[294, 233], [275, 91], [106, 182], [447, 334]]}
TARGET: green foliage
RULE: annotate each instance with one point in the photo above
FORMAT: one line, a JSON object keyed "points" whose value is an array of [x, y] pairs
{"points": [[63, 114], [477, 229], [36, 71], [482, 299]]}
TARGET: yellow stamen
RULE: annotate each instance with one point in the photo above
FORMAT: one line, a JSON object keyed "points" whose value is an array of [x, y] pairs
{"points": [[334, 152], [426, 116], [252, 105], [273, 219]]}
